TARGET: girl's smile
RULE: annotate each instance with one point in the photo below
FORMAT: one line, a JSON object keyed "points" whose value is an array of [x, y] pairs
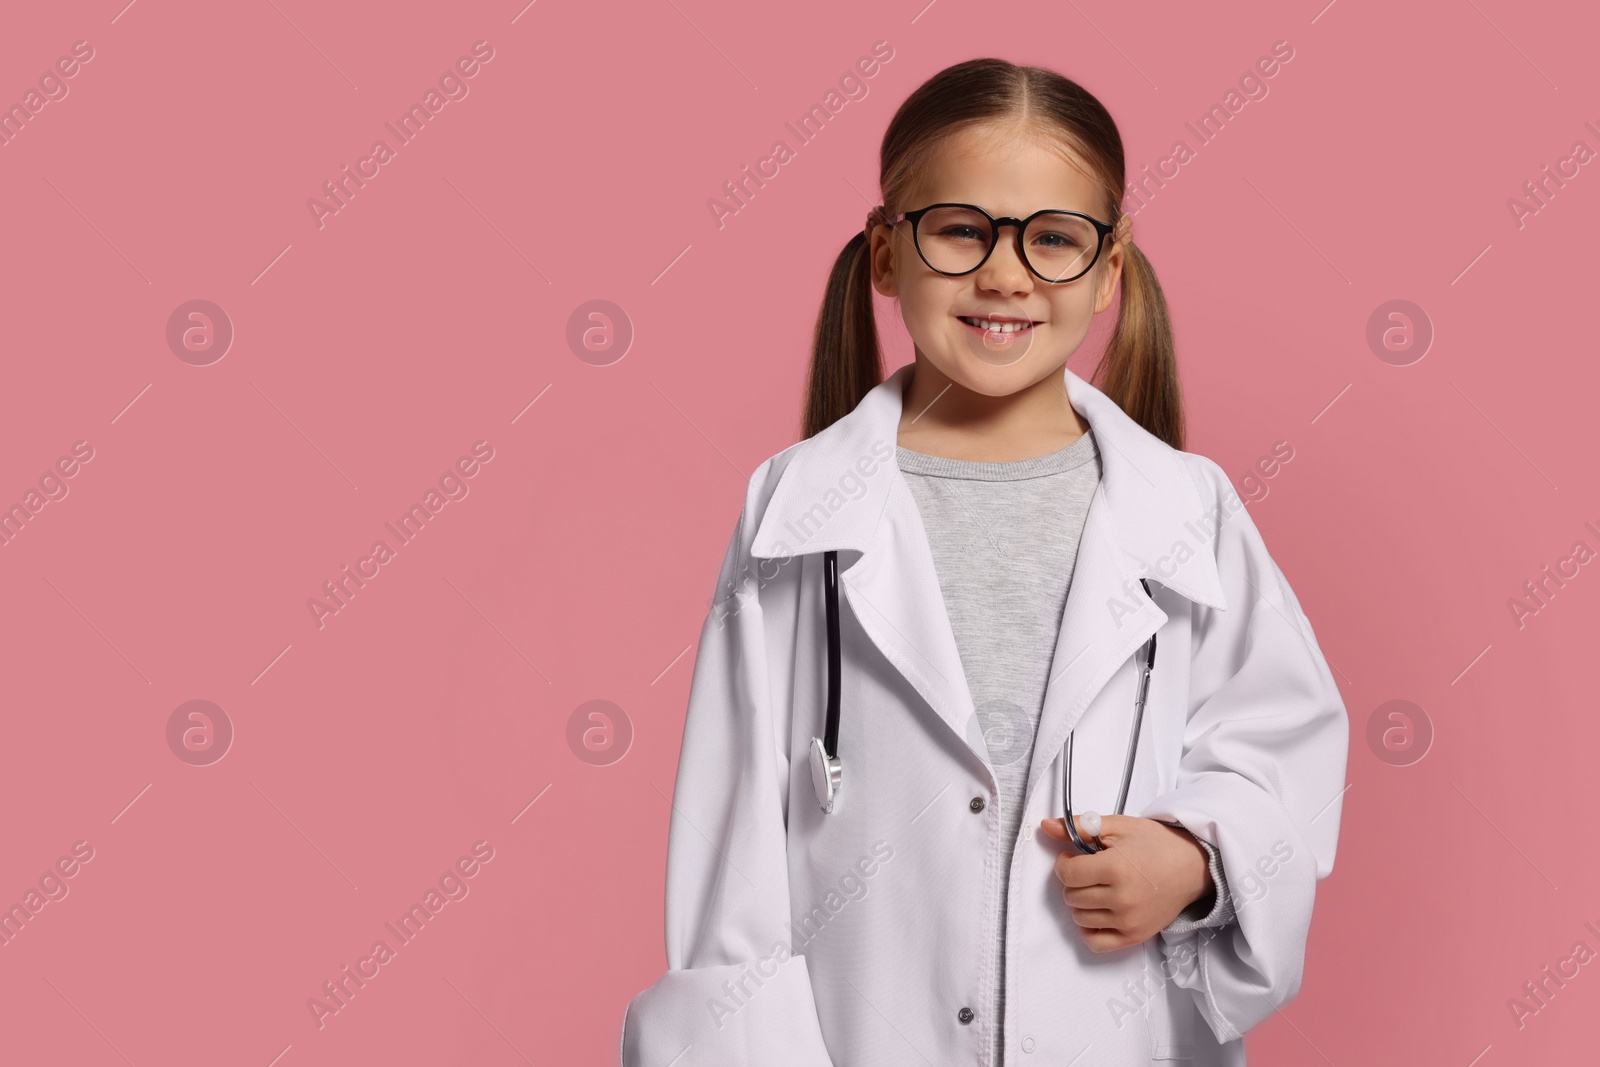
{"points": [[998, 340], [996, 325]]}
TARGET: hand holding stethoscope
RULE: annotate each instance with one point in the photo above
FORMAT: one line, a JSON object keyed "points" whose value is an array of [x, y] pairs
{"points": [[1147, 872]]}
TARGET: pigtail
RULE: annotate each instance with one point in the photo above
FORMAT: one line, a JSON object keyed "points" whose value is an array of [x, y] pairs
{"points": [[845, 359], [1139, 369]]}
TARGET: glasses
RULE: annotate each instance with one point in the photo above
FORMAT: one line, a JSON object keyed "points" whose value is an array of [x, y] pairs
{"points": [[957, 239]]}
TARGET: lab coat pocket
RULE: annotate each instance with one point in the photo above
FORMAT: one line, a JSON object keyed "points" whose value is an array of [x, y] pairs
{"points": [[1170, 1038]]}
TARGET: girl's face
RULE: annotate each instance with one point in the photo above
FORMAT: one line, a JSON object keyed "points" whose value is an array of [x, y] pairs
{"points": [[1005, 171]]}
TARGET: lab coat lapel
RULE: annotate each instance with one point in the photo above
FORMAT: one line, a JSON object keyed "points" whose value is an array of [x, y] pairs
{"points": [[895, 594], [1107, 617], [842, 490], [1145, 520]]}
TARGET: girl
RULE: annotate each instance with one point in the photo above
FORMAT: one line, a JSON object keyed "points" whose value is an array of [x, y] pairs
{"points": [[993, 550]]}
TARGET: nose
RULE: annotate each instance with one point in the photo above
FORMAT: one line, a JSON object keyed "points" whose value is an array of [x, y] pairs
{"points": [[1004, 271]]}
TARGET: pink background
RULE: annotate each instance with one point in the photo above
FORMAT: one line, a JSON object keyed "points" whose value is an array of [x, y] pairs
{"points": [[430, 313]]}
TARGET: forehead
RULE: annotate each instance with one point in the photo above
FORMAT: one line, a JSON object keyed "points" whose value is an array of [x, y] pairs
{"points": [[1008, 170]]}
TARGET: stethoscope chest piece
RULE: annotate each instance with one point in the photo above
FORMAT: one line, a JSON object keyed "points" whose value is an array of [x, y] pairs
{"points": [[826, 771]]}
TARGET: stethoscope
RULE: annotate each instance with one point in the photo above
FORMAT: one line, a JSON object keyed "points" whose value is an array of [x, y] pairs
{"points": [[827, 771]]}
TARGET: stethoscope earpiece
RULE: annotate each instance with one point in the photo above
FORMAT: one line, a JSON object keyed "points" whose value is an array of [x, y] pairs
{"points": [[1091, 826]]}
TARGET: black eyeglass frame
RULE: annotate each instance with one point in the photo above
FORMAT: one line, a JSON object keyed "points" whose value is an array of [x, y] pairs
{"points": [[915, 217]]}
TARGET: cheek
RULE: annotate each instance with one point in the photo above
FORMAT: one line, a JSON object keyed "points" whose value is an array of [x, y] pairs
{"points": [[1072, 313], [926, 301]]}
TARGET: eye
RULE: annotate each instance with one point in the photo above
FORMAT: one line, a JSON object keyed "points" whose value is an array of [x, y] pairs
{"points": [[955, 225], [1056, 240]]}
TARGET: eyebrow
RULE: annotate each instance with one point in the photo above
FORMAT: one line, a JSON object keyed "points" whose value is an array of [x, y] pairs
{"points": [[974, 203]]}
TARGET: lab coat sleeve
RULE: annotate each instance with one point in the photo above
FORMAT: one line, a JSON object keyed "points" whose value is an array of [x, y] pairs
{"points": [[1261, 775], [733, 994]]}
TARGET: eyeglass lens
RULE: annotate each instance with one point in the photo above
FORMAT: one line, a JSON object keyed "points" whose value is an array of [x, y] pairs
{"points": [[955, 239]]}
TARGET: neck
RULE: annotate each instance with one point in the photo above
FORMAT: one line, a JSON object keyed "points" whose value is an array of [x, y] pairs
{"points": [[940, 417]]}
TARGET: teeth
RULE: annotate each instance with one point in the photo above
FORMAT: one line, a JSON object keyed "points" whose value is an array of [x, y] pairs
{"points": [[998, 327]]}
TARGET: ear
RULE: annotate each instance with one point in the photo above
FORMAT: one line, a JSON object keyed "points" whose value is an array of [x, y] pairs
{"points": [[880, 249], [1110, 271]]}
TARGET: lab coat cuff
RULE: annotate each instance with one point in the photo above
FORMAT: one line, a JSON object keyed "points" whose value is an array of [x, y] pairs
{"points": [[732, 1015], [1221, 912]]}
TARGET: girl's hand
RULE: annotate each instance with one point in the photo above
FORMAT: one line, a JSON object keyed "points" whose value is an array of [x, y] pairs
{"points": [[1148, 873]]}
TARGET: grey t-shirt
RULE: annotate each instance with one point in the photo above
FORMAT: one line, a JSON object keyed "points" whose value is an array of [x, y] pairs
{"points": [[1004, 539]]}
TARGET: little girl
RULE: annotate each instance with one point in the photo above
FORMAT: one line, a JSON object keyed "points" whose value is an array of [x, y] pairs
{"points": [[924, 882]]}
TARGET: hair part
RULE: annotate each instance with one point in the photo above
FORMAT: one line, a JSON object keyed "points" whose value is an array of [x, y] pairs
{"points": [[1138, 370]]}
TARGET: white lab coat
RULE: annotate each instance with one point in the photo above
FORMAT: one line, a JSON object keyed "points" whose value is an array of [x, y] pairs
{"points": [[799, 939]]}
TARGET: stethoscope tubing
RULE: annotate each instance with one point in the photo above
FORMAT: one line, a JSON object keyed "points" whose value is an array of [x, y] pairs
{"points": [[830, 737], [1092, 843]]}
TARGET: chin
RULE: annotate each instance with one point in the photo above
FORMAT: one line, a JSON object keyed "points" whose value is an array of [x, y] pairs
{"points": [[1000, 377], [986, 379]]}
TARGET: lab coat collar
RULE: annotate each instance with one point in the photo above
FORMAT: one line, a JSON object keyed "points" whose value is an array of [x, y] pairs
{"points": [[835, 491], [842, 489]]}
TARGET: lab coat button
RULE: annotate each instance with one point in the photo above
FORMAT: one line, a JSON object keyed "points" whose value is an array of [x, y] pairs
{"points": [[976, 805], [1027, 1044], [965, 1015]]}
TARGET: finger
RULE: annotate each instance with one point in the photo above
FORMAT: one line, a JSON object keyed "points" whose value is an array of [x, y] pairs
{"points": [[1094, 896], [1106, 940], [1079, 869], [1096, 919], [1056, 826], [1090, 826], [1114, 826]]}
